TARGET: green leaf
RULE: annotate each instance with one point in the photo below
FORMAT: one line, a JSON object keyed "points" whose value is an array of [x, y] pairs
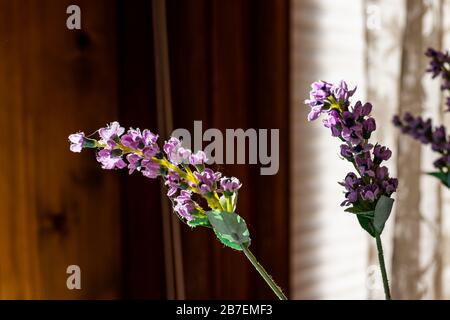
{"points": [[226, 240], [360, 212], [366, 224], [230, 228], [199, 222], [382, 212], [444, 177]]}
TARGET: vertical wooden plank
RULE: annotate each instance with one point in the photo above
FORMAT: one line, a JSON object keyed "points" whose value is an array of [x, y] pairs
{"points": [[144, 270], [189, 46], [270, 79], [57, 208], [232, 108], [19, 270]]}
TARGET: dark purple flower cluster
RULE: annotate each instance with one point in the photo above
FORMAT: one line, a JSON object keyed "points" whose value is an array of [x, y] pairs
{"points": [[184, 172], [423, 131], [440, 66], [353, 125]]}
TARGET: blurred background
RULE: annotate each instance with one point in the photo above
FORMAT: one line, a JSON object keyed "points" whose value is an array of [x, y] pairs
{"points": [[231, 64]]}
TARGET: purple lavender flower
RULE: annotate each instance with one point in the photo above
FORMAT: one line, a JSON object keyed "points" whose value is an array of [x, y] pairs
{"points": [[198, 158], [341, 92], [352, 129], [109, 160], [184, 205], [424, 132], [76, 141], [365, 165], [150, 168], [321, 90], [173, 182], [325, 97], [175, 152], [109, 134], [207, 180], [381, 153], [370, 192], [230, 184], [440, 65], [346, 151], [134, 162]]}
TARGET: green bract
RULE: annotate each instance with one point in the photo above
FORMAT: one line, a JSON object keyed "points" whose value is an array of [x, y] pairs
{"points": [[373, 221], [229, 228]]}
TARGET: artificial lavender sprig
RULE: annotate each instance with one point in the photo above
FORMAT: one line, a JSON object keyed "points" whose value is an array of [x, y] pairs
{"points": [[423, 130], [189, 182], [426, 133], [368, 190], [440, 66]]}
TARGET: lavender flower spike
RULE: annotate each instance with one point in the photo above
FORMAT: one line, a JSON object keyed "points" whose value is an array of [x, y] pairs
{"points": [[368, 191], [189, 183], [440, 66]]}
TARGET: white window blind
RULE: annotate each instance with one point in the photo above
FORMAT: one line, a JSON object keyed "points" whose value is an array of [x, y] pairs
{"points": [[329, 251]]}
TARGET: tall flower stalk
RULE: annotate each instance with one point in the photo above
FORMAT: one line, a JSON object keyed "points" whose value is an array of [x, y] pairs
{"points": [[423, 130], [368, 190], [200, 196]]}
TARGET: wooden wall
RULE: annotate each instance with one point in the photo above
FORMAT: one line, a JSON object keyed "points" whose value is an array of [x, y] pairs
{"points": [[229, 69], [56, 208]]}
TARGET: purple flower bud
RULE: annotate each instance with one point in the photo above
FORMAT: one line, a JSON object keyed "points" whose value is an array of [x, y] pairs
{"points": [[439, 135], [390, 186], [366, 109], [382, 153], [172, 182], [369, 126], [396, 121], [77, 141]]}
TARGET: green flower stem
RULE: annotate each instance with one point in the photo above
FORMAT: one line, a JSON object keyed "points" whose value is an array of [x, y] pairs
{"points": [[387, 291], [275, 288]]}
